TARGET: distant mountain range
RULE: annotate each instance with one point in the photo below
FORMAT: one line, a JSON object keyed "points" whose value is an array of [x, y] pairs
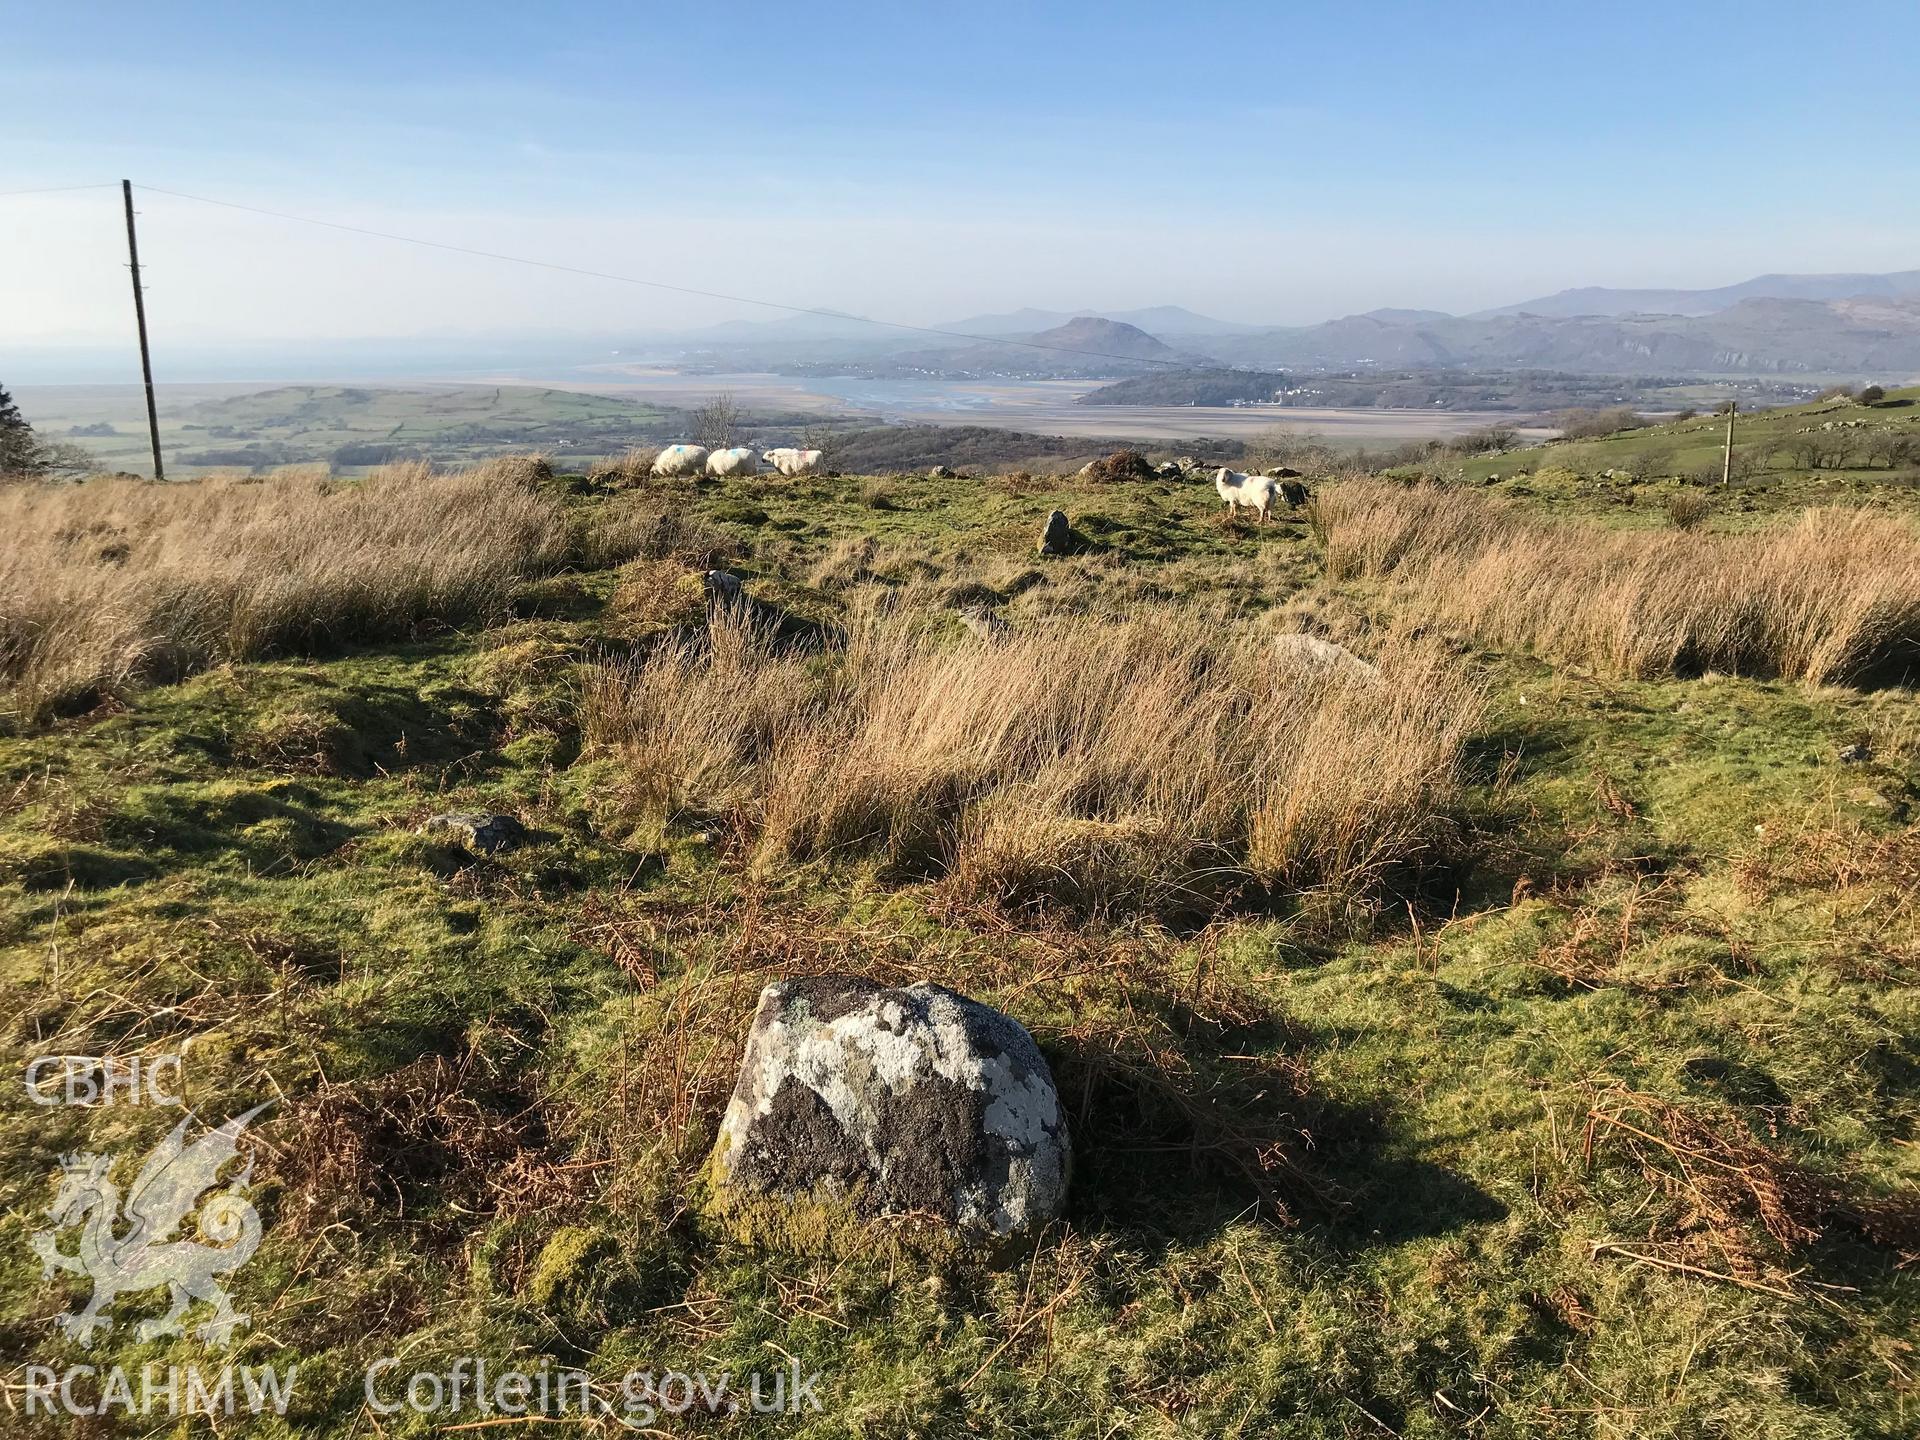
{"points": [[1860, 325], [1597, 300], [1866, 337]]}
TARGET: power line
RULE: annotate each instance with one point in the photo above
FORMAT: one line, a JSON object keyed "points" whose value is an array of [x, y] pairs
{"points": [[658, 284], [56, 189]]}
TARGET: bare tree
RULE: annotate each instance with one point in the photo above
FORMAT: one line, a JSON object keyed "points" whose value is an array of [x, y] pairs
{"points": [[1645, 465], [824, 438], [1298, 450], [1885, 447], [1838, 449], [716, 422], [1804, 450], [1489, 438]]}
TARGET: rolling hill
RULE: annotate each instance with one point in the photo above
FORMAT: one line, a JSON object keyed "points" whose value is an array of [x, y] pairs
{"points": [[1107, 337], [1600, 300], [1084, 345], [1867, 337], [1188, 387], [1155, 319]]}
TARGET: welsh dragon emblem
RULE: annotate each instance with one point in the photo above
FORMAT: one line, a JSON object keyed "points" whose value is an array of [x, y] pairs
{"points": [[148, 1255]]}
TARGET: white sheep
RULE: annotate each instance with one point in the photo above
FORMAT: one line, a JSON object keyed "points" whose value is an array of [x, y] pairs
{"points": [[1256, 492], [680, 460], [740, 460], [793, 463]]}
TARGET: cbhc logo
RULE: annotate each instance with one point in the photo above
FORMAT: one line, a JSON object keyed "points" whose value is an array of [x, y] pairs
{"points": [[104, 1080]]}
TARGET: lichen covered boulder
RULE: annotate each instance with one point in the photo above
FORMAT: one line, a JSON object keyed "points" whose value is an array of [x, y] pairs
{"points": [[866, 1116]]}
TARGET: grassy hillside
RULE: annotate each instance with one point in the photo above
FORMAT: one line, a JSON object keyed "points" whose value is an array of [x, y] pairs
{"points": [[1533, 1050], [354, 427], [1833, 450]]}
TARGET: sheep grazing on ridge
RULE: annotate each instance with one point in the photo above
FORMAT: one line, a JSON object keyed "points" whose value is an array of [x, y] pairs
{"points": [[793, 463], [1256, 492], [679, 460], [739, 460]]}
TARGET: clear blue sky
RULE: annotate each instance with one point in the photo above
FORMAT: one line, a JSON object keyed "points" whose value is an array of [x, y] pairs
{"points": [[1274, 162]]}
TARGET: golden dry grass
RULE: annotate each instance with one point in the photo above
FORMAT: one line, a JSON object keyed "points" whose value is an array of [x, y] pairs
{"points": [[1152, 763], [113, 583], [634, 467], [1832, 597]]}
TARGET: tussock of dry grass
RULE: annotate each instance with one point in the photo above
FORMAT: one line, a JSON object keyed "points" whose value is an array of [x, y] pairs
{"points": [[1149, 763], [633, 468], [1835, 596], [114, 583]]}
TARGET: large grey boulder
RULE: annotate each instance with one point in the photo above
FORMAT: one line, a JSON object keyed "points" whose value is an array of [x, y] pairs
{"points": [[1057, 536], [1311, 653], [869, 1116]]}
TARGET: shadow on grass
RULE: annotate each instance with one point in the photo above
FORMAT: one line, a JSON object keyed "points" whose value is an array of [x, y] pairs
{"points": [[1174, 1143]]}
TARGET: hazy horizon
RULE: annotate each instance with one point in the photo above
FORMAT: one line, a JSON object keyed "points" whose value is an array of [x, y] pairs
{"points": [[921, 168]]}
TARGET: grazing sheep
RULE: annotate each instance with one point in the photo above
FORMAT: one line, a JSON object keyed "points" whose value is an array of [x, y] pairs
{"points": [[1256, 492], [679, 460], [740, 460], [793, 463]]}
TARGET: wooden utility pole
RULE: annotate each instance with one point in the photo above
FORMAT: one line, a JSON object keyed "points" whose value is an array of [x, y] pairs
{"points": [[140, 320], [1726, 463]]}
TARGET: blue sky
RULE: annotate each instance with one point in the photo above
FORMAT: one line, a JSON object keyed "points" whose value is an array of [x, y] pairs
{"points": [[1279, 163]]}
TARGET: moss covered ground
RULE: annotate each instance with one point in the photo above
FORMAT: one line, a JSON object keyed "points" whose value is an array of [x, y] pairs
{"points": [[1612, 1139]]}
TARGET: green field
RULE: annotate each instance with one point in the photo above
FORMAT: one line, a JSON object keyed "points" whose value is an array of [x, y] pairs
{"points": [[206, 428], [1550, 1122], [1821, 453]]}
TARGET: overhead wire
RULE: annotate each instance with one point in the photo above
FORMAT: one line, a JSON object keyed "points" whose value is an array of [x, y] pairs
{"points": [[57, 189], [659, 284]]}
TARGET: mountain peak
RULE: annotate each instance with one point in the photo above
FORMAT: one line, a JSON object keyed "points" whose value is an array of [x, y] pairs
{"points": [[1105, 337]]}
